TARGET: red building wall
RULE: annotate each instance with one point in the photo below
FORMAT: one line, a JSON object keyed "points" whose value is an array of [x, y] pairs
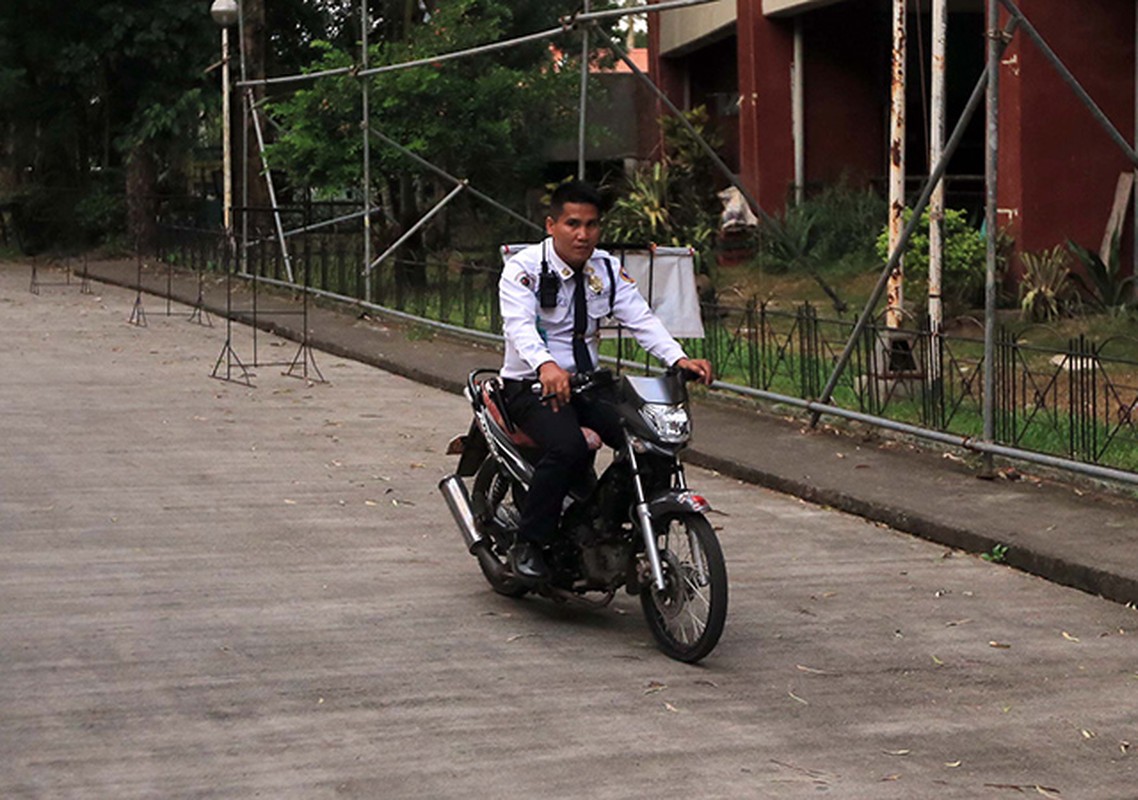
{"points": [[766, 144], [844, 91], [1058, 167]]}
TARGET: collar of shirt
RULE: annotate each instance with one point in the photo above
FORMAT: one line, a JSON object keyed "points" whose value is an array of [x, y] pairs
{"points": [[557, 265]]}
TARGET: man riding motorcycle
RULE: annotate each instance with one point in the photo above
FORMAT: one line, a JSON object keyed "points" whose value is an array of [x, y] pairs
{"points": [[553, 296]]}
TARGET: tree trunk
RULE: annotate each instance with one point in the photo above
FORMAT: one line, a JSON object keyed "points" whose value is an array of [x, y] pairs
{"points": [[247, 169], [142, 197]]}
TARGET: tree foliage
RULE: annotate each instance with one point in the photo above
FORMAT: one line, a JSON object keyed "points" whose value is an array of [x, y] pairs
{"points": [[484, 118], [85, 86], [104, 97]]}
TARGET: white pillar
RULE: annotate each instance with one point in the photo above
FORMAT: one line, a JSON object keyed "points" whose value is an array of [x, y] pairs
{"points": [[936, 202]]}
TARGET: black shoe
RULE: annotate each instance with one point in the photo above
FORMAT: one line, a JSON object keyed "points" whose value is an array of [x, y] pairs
{"points": [[526, 562]]}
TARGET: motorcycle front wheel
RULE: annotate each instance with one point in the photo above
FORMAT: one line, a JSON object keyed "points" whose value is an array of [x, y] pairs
{"points": [[494, 497], [687, 617]]}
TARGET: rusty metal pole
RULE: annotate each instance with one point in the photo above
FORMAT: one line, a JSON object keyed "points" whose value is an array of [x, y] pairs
{"points": [[936, 202], [894, 290]]}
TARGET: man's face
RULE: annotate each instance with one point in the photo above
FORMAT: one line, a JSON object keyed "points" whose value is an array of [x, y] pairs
{"points": [[575, 233]]}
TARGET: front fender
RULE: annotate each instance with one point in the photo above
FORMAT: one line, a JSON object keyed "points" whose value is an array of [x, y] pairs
{"points": [[677, 501]]}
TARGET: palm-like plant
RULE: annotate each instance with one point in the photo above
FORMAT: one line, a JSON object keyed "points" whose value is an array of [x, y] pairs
{"points": [[1103, 283], [1045, 291]]}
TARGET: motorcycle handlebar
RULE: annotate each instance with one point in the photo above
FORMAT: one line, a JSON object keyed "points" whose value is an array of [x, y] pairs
{"points": [[582, 381], [687, 375], [578, 382]]}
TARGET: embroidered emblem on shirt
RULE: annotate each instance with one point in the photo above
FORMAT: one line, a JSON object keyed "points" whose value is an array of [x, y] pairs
{"points": [[524, 280], [624, 276]]}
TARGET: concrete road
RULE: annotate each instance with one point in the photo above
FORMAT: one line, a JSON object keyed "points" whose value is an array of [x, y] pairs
{"points": [[210, 590]]}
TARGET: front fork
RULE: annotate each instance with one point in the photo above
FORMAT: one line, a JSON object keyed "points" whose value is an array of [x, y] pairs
{"points": [[645, 518]]}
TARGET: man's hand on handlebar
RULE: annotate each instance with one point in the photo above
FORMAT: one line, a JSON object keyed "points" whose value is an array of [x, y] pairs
{"points": [[554, 384], [698, 367]]}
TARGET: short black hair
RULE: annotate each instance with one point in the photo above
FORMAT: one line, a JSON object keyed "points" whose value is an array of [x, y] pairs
{"points": [[574, 192]]}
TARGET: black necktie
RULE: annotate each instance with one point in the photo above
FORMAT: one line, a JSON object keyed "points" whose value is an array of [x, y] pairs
{"points": [[581, 355]]}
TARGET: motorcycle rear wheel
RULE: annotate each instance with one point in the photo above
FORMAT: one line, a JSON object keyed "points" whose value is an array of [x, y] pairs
{"points": [[493, 496], [688, 616]]}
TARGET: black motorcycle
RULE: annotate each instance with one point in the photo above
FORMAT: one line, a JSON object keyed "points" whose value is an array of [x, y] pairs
{"points": [[638, 526]]}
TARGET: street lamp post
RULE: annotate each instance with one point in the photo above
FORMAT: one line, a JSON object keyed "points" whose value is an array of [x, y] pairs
{"points": [[225, 13]]}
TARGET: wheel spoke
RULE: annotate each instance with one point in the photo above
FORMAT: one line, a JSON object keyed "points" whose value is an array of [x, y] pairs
{"points": [[698, 623], [687, 616], [697, 591]]}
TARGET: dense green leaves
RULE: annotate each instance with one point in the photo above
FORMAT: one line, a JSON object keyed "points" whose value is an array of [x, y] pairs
{"points": [[88, 87], [86, 84], [965, 251], [483, 117]]}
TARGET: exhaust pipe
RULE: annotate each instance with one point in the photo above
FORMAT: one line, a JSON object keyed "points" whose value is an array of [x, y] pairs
{"points": [[458, 501]]}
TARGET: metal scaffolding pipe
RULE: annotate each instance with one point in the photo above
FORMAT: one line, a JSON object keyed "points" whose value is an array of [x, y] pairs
{"points": [[444, 174], [991, 183], [272, 192], [365, 123], [315, 226], [584, 98], [246, 97], [937, 173], [473, 51], [568, 23], [422, 221], [612, 13]]}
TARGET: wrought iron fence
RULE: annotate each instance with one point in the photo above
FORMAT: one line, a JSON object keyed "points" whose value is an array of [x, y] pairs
{"points": [[1078, 402]]}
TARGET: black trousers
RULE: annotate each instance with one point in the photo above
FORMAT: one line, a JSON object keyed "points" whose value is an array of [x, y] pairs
{"points": [[564, 454]]}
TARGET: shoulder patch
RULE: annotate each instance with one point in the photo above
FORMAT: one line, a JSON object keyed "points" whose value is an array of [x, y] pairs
{"points": [[624, 276], [524, 280]]}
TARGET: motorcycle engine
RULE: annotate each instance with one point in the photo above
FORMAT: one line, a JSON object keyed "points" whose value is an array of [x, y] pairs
{"points": [[605, 565]]}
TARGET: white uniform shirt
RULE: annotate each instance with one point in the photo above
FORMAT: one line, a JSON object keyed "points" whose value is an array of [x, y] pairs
{"points": [[535, 335]]}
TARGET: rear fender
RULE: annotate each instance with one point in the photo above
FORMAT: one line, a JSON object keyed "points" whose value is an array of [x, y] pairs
{"points": [[474, 451]]}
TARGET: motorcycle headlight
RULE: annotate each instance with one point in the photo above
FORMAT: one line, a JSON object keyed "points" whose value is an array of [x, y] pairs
{"points": [[670, 423]]}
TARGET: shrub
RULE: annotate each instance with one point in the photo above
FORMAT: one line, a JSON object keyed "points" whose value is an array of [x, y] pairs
{"points": [[832, 229], [965, 251]]}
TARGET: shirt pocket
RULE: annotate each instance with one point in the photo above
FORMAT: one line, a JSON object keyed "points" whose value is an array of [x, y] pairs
{"points": [[555, 315], [598, 304]]}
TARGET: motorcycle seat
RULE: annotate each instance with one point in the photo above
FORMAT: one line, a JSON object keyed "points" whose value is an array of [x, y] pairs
{"points": [[517, 435]]}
